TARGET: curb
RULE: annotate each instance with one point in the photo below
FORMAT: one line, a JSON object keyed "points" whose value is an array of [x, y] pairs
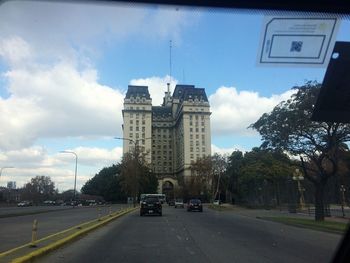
{"points": [[46, 249]]}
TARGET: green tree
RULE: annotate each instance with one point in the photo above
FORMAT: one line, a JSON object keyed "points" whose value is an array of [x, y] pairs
{"points": [[107, 183], [136, 175], [265, 171], [39, 189], [288, 128]]}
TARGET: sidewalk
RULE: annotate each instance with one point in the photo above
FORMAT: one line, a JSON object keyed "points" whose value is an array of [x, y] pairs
{"points": [[276, 212]]}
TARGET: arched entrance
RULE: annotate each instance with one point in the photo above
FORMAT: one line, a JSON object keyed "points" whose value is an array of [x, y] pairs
{"points": [[168, 190]]}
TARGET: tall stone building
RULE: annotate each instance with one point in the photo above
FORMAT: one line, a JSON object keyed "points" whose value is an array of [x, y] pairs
{"points": [[173, 135]]}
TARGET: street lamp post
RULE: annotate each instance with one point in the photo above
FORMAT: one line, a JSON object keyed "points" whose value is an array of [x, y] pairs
{"points": [[75, 174], [342, 190], [297, 176]]}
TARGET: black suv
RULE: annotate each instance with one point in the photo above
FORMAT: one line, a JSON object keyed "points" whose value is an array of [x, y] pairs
{"points": [[194, 204], [151, 205]]}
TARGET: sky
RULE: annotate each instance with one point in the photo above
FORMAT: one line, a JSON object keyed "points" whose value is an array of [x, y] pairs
{"points": [[65, 68]]}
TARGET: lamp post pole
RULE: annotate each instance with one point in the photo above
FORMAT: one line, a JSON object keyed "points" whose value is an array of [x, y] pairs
{"points": [[297, 176], [342, 190], [75, 174]]}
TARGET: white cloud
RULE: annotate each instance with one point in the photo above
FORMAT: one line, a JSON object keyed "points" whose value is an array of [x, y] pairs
{"points": [[14, 50], [226, 151], [156, 86], [233, 111], [33, 161], [57, 101], [88, 25]]}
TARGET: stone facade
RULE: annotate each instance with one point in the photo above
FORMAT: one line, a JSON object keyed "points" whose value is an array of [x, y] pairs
{"points": [[173, 135]]}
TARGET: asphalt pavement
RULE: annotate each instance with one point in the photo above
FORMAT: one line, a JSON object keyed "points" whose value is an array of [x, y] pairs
{"points": [[211, 236], [17, 230]]}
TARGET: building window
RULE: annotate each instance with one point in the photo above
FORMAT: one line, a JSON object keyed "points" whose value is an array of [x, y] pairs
{"points": [[197, 136], [202, 123], [191, 130], [137, 128], [130, 142], [197, 143], [143, 108], [203, 129], [191, 136], [143, 135], [203, 149], [191, 143], [191, 149], [143, 115], [197, 149], [143, 122], [143, 129], [196, 117], [190, 117], [131, 115], [130, 128], [130, 135], [137, 115], [137, 122], [137, 135], [191, 155], [131, 108], [196, 129], [137, 108], [131, 122]]}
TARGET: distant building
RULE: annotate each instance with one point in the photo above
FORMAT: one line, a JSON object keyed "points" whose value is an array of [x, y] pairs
{"points": [[11, 185], [173, 135]]}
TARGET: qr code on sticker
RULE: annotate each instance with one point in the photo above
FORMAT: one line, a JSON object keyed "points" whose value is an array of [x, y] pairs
{"points": [[296, 46]]}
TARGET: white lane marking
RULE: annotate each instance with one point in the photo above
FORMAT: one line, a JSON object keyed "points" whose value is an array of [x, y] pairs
{"points": [[178, 237]]}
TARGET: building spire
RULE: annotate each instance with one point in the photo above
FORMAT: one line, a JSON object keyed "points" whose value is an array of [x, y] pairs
{"points": [[170, 63]]}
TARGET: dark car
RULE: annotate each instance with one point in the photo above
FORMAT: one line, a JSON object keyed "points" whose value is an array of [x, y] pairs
{"points": [[171, 202], [151, 205], [194, 205]]}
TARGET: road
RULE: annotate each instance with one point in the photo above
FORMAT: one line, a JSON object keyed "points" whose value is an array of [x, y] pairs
{"points": [[211, 236], [16, 230]]}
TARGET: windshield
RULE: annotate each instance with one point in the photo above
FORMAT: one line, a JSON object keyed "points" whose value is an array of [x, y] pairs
{"points": [[242, 111]]}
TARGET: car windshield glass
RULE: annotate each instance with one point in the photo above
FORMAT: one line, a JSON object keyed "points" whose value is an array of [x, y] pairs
{"points": [[151, 199], [112, 110]]}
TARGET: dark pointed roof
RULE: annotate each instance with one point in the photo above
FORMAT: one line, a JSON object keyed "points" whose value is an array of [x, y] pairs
{"points": [[134, 91], [186, 92]]}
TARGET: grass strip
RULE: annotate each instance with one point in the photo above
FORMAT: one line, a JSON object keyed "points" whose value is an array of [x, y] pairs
{"points": [[327, 226]]}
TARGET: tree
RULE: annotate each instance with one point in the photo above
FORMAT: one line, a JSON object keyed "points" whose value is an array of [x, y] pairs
{"points": [[266, 171], [289, 128], [136, 175], [206, 176], [107, 183], [39, 189]]}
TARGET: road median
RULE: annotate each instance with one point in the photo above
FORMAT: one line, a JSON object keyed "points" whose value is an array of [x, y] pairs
{"points": [[29, 251]]}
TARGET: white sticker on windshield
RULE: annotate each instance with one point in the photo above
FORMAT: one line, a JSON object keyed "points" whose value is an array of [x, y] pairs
{"points": [[297, 41]]}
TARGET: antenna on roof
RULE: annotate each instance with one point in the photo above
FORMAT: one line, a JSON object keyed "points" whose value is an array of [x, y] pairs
{"points": [[170, 46]]}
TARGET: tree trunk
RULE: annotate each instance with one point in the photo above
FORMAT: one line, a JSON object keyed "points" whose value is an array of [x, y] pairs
{"points": [[319, 201]]}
